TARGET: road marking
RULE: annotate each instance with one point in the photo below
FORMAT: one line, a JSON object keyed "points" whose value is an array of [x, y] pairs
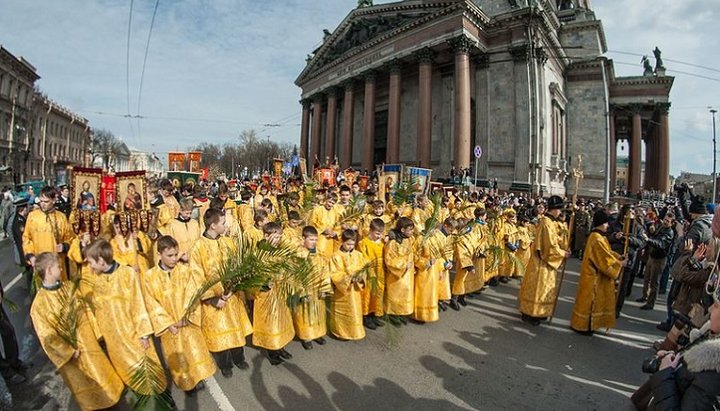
{"points": [[218, 395], [13, 282]]}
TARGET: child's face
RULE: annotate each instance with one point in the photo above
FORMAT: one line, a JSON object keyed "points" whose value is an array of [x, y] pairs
{"points": [[407, 231], [379, 210], [98, 265], [294, 223], [348, 245], [310, 241], [219, 227], [185, 214], [375, 234], [169, 257]]}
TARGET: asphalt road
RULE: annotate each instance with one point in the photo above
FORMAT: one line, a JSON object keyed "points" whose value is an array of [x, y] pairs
{"points": [[482, 357]]}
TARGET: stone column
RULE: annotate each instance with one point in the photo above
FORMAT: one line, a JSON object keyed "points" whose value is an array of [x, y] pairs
{"points": [[461, 47], [368, 154], [650, 181], [424, 124], [393, 131], [330, 124], [316, 130], [346, 142], [634, 167], [613, 154], [304, 128], [663, 161]]}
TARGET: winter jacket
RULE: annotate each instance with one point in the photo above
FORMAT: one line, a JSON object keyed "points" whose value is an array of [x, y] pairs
{"points": [[660, 242], [694, 385], [692, 275]]}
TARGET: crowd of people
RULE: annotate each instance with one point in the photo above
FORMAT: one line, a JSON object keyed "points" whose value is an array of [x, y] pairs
{"points": [[378, 262]]}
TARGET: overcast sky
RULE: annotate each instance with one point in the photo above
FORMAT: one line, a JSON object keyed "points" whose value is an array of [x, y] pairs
{"points": [[217, 67]]}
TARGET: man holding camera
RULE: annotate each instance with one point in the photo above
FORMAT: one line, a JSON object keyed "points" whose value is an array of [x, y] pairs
{"points": [[658, 245]]}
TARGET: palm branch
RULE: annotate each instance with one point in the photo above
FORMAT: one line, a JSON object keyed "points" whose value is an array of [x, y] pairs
{"points": [[404, 192], [66, 320], [146, 384], [309, 197], [351, 214], [434, 221]]}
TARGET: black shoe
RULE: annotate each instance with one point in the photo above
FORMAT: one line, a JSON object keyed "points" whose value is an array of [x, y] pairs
{"points": [[22, 366], [243, 365], [647, 307], [663, 326], [369, 323], [494, 282], [191, 393], [454, 305], [640, 276], [641, 300], [227, 372], [504, 280], [15, 379], [284, 354], [403, 320], [378, 321], [662, 292], [530, 320], [306, 345], [442, 306], [200, 385], [274, 357], [462, 301], [320, 341]]}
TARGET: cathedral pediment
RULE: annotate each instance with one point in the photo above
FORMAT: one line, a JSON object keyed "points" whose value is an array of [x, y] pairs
{"points": [[365, 27]]}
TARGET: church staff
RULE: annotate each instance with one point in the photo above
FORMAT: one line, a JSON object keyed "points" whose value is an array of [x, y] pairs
{"points": [[86, 370], [595, 299], [539, 288], [168, 289], [225, 322]]}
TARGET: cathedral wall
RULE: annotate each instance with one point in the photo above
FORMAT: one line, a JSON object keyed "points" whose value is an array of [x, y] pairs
{"points": [[409, 101]]}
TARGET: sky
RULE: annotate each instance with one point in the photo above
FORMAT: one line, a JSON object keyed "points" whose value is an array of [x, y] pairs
{"points": [[217, 67]]}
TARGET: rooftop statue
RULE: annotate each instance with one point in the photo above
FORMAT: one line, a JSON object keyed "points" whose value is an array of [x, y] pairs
{"points": [[365, 3], [648, 70], [658, 59]]}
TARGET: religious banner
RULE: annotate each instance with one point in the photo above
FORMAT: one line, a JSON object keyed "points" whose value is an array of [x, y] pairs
{"points": [[181, 178], [107, 194], [364, 182], [350, 176], [391, 177], [205, 174], [420, 177], [325, 176], [303, 168], [176, 161], [436, 187], [195, 158], [278, 166], [277, 182], [85, 191], [130, 191]]}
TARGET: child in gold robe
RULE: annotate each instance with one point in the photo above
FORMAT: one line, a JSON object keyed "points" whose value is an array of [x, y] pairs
{"points": [[272, 318], [292, 230], [371, 246], [399, 261], [86, 370], [184, 229], [225, 323], [121, 314], [348, 277], [310, 318], [169, 288]]}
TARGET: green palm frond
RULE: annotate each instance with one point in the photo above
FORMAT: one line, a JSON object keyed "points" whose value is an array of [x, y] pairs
{"points": [[66, 320], [146, 384], [497, 253], [434, 221], [309, 196], [404, 192], [351, 214]]}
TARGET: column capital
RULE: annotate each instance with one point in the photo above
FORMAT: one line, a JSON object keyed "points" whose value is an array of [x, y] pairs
{"points": [[317, 98], [482, 61], [348, 84], [305, 102], [663, 108], [519, 53], [370, 76], [462, 44], [394, 66], [330, 92], [424, 55], [635, 108]]}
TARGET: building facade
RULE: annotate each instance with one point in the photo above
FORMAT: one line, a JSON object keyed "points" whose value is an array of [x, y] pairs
{"points": [[422, 82]]}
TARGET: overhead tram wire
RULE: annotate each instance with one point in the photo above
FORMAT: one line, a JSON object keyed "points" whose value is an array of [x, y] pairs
{"points": [[127, 67], [142, 74], [666, 59], [193, 119]]}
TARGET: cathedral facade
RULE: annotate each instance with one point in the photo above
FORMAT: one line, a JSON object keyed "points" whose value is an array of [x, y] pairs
{"points": [[422, 82]]}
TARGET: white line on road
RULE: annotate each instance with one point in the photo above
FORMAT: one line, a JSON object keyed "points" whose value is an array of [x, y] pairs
{"points": [[218, 395], [13, 282]]}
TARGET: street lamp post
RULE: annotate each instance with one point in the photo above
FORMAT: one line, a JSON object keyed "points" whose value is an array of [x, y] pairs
{"points": [[713, 111]]}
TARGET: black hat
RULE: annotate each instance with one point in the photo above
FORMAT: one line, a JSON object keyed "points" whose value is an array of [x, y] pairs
{"points": [[600, 217], [555, 202], [698, 205]]}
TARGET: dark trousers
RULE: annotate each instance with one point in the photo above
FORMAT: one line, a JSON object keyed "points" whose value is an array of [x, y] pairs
{"points": [[626, 283], [654, 269], [226, 359], [10, 345], [665, 277], [674, 290]]}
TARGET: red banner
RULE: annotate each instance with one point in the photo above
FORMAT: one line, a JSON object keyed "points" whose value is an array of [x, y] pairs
{"points": [[176, 161], [205, 174], [194, 157], [107, 192]]}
